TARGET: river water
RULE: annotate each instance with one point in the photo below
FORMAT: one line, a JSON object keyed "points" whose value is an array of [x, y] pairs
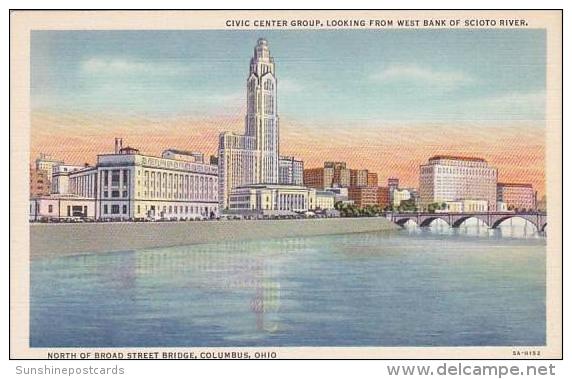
{"points": [[432, 287]]}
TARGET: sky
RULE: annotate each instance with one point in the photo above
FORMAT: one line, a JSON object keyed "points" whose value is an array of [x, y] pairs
{"points": [[380, 99]]}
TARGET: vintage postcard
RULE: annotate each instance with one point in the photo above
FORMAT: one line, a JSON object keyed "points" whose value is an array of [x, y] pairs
{"points": [[286, 184]]}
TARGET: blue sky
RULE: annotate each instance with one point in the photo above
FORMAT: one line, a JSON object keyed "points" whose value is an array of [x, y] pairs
{"points": [[323, 76]]}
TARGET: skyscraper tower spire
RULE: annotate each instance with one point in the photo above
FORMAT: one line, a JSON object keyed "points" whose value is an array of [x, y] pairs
{"points": [[261, 120], [253, 158]]}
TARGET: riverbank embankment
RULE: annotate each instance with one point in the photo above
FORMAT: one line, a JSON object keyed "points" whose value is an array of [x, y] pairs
{"points": [[52, 240]]}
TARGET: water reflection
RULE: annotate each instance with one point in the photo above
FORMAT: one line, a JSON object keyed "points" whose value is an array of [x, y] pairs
{"points": [[430, 287], [210, 267]]}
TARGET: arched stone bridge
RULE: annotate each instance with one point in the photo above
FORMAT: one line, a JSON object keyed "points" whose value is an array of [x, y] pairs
{"points": [[492, 219]]}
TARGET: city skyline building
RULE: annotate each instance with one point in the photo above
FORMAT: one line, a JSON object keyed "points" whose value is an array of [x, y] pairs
{"points": [[47, 163], [341, 175], [359, 178], [253, 158], [392, 184], [291, 171], [383, 198], [60, 177], [364, 196], [41, 175], [452, 178], [40, 182], [319, 177], [372, 179], [517, 196]]}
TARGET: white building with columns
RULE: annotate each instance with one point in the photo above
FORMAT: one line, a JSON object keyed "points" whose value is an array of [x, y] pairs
{"points": [[272, 199], [129, 185], [253, 158]]}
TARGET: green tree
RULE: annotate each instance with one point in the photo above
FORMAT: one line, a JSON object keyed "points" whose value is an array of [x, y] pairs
{"points": [[431, 208], [408, 206]]}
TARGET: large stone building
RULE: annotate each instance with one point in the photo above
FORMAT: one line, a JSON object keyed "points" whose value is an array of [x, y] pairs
{"points": [[272, 199], [253, 158], [451, 178], [517, 196], [128, 185]]}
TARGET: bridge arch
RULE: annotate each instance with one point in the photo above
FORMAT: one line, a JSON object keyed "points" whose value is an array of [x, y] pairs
{"points": [[499, 221], [462, 220], [427, 222], [403, 221]]}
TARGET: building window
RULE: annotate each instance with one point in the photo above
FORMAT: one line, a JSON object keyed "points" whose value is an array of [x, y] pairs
{"points": [[114, 193], [138, 209], [124, 193], [115, 209], [115, 177], [125, 209], [105, 194], [105, 209], [50, 208]]}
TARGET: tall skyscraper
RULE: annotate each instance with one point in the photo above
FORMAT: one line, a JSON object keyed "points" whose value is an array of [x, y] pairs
{"points": [[252, 158]]}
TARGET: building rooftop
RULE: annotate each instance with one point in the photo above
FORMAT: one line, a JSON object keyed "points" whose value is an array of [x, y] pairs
{"points": [[128, 150], [272, 185], [528, 185], [183, 152], [46, 158], [456, 158]]}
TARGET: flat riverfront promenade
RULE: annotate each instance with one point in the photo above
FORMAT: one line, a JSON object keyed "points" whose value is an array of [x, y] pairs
{"points": [[53, 240]]}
